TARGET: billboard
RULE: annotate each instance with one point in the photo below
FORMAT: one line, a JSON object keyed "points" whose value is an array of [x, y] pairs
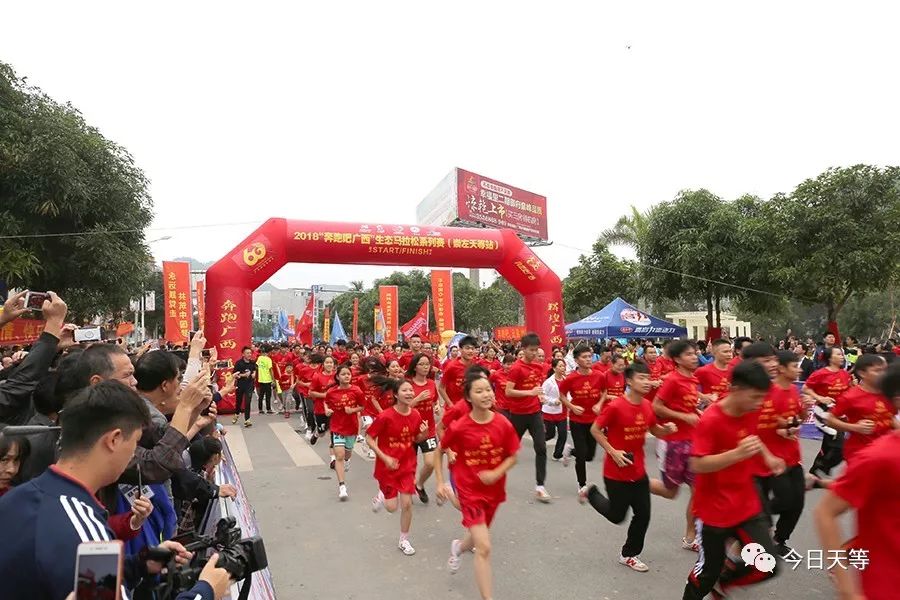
{"points": [[466, 198]]}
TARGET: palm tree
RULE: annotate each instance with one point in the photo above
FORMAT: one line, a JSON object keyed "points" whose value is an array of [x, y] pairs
{"points": [[356, 286], [630, 230]]}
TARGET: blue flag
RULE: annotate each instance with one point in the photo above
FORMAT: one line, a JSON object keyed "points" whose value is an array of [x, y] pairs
{"points": [[337, 329]]}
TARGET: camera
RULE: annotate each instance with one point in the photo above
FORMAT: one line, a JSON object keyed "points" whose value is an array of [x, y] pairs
{"points": [[241, 557]]}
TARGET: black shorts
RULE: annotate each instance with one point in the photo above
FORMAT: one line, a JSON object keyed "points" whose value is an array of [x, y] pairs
{"points": [[428, 445], [322, 423]]}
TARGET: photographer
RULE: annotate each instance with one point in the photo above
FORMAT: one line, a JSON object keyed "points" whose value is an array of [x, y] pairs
{"points": [[49, 516]]}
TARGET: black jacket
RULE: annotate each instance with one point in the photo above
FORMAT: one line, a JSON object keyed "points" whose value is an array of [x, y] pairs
{"points": [[16, 390]]}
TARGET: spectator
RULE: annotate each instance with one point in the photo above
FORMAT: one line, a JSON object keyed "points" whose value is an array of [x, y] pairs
{"points": [[193, 488], [13, 452], [805, 363]]}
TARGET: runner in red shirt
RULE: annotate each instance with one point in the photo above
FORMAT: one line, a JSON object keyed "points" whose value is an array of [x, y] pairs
{"points": [[490, 361], [581, 391], [453, 376], [725, 458], [484, 445], [825, 386], [715, 378], [393, 437], [319, 383], [415, 347], [499, 378], [613, 382], [863, 487], [658, 370], [341, 356], [554, 411], [345, 401], [524, 396], [304, 373], [621, 429], [676, 401], [778, 428], [428, 350], [425, 401], [739, 345], [461, 408], [863, 411], [602, 365], [286, 385], [373, 380]]}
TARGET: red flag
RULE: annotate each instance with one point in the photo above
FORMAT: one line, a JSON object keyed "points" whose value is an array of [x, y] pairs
{"points": [[124, 328], [304, 325], [418, 324], [355, 319]]}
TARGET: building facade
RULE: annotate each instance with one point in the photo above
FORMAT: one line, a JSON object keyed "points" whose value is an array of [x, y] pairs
{"points": [[695, 322]]}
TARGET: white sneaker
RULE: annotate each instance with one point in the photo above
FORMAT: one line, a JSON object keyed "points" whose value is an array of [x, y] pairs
{"points": [[634, 563], [342, 492], [455, 551], [583, 495], [542, 494], [406, 547], [308, 435], [693, 545], [567, 455], [360, 439], [378, 502], [346, 465], [371, 455]]}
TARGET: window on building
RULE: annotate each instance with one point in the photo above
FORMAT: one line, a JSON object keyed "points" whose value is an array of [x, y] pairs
{"points": [[695, 332]]}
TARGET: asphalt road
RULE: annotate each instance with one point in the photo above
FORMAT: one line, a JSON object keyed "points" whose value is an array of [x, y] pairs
{"points": [[320, 548]]}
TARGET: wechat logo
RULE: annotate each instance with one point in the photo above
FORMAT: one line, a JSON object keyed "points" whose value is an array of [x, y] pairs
{"points": [[754, 554]]}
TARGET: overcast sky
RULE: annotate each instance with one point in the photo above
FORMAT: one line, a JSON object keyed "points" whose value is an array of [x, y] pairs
{"points": [[354, 111]]}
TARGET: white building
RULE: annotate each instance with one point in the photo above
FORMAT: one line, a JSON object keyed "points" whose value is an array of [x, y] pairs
{"points": [[268, 300], [695, 322]]}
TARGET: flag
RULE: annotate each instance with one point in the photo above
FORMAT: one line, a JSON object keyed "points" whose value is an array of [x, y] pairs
{"points": [[379, 325], [304, 324], [283, 330], [177, 298], [337, 329], [355, 319], [442, 293], [325, 325], [201, 304], [124, 329], [418, 324], [292, 324], [389, 300]]}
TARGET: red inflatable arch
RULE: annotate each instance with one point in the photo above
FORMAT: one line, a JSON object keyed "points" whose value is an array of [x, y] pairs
{"points": [[231, 281]]}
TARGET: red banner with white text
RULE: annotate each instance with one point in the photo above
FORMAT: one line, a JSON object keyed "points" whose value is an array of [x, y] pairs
{"points": [[177, 295], [21, 331], [442, 295], [305, 324], [201, 305], [390, 311], [355, 319], [418, 325]]}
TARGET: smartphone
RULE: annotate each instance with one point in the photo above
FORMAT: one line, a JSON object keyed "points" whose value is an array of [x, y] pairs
{"points": [[87, 334], [98, 570], [35, 300], [629, 456], [140, 480], [223, 364]]}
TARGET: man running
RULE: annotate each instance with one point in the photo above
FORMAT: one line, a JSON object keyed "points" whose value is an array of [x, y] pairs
{"points": [[582, 391], [715, 378], [450, 387]]}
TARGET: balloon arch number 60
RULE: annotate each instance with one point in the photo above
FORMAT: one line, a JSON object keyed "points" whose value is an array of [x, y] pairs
{"points": [[231, 281]]}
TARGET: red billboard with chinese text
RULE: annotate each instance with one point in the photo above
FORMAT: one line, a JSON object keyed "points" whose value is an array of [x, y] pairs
{"points": [[390, 311], [177, 295], [442, 295], [489, 202]]}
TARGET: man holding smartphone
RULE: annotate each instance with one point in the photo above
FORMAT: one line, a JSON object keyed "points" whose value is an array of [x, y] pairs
{"points": [[244, 372], [45, 520]]}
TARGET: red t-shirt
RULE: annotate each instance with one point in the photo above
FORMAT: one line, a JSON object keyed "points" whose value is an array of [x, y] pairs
{"points": [[626, 429], [614, 384], [490, 365], [396, 435], [405, 360], [524, 377], [727, 497], [453, 378], [426, 407], [779, 403], [829, 383], [337, 399], [498, 380], [863, 485], [657, 370], [583, 391], [666, 365], [454, 412], [600, 367], [319, 382], [303, 373], [855, 405], [480, 447], [714, 380], [284, 381], [340, 357], [679, 393], [735, 361]]}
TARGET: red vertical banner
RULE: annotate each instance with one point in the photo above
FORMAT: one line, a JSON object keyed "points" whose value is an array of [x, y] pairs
{"points": [[177, 297], [355, 319], [292, 322], [442, 295], [390, 309], [326, 326], [201, 305]]}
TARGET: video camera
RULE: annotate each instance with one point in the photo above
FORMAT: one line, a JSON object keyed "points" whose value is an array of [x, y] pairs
{"points": [[240, 557]]}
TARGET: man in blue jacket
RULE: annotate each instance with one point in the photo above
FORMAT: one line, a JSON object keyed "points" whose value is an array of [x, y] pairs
{"points": [[45, 519]]}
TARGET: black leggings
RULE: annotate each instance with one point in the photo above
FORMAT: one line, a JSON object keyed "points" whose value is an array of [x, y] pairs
{"points": [[622, 496], [242, 399], [534, 424], [556, 429], [585, 449], [830, 455], [784, 495], [708, 569], [265, 393]]}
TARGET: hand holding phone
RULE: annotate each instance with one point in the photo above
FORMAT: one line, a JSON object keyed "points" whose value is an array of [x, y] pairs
{"points": [[98, 570], [35, 300]]}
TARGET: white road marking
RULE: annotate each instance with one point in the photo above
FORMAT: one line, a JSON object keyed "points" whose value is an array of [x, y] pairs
{"points": [[295, 445], [238, 446]]}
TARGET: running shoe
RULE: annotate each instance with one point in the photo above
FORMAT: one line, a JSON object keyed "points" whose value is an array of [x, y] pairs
{"points": [[423, 495], [331, 464], [692, 545], [635, 563], [542, 495], [583, 494], [360, 439], [455, 551], [308, 436], [313, 439], [247, 423], [378, 502], [371, 455], [342, 492], [234, 420], [406, 547], [783, 549], [567, 456]]}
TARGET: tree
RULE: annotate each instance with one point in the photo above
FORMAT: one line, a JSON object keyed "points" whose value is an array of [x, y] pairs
{"points": [[493, 306], [837, 236], [596, 280], [357, 286], [630, 230], [59, 175]]}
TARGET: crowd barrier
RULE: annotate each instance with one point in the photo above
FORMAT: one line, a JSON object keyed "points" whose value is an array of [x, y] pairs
{"points": [[239, 507]]}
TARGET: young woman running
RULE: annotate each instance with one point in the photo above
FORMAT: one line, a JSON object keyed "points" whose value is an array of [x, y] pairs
{"points": [[824, 386], [371, 369], [393, 436], [424, 401], [319, 384], [346, 401], [485, 445], [555, 413]]}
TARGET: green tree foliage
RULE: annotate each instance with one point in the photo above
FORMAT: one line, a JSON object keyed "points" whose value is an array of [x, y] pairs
{"points": [[60, 175], [492, 306], [596, 280], [630, 230]]}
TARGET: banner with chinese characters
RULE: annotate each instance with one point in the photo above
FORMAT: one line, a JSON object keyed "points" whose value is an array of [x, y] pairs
{"points": [[20, 331], [201, 305], [442, 294], [495, 204], [356, 319], [304, 328], [418, 325], [292, 322], [378, 326], [390, 311], [326, 326], [509, 333], [177, 298]]}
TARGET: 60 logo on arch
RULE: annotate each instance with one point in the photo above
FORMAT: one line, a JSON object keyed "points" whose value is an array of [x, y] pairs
{"points": [[254, 253]]}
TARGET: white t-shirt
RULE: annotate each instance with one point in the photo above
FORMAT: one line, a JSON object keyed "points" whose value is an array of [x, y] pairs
{"points": [[552, 404]]}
